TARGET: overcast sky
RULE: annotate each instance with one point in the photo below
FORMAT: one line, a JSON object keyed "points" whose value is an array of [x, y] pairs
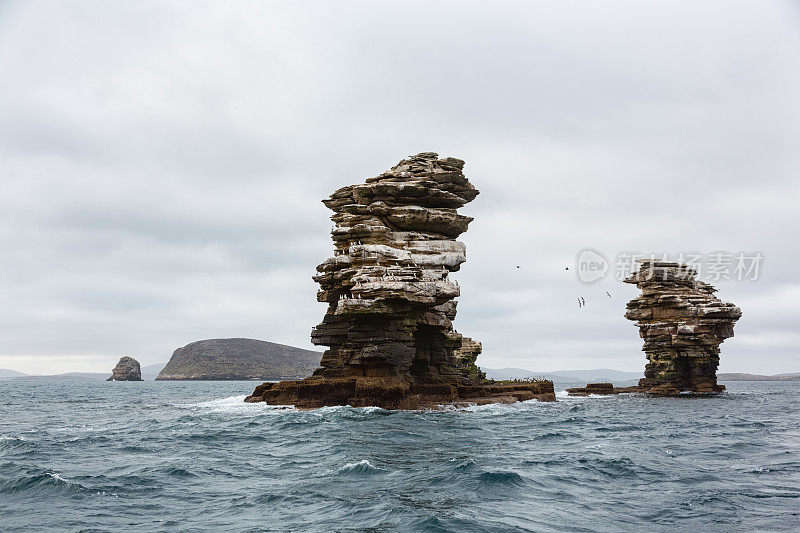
{"points": [[162, 165]]}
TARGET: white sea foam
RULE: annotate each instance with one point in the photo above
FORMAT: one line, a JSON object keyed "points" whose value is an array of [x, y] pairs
{"points": [[332, 409], [223, 402], [12, 437], [495, 408], [361, 467], [372, 409], [564, 395], [236, 404], [499, 408], [56, 477], [363, 462]]}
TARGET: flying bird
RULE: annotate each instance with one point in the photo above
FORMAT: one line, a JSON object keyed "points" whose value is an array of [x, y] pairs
{"points": [[519, 266], [583, 302], [609, 294], [566, 268], [579, 303]]}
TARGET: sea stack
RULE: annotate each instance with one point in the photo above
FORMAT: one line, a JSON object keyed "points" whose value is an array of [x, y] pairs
{"points": [[391, 301], [128, 369], [682, 324]]}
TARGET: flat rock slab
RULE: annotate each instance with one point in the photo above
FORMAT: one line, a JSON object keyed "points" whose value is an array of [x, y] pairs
{"points": [[396, 393], [606, 389]]}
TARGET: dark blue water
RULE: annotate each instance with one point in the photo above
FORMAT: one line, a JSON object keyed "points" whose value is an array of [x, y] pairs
{"points": [[191, 457]]}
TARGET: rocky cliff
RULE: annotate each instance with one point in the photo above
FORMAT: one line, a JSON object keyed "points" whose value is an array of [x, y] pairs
{"points": [[127, 369], [238, 359], [391, 302], [682, 324]]}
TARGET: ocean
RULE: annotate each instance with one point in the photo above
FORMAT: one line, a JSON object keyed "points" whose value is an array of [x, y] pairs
{"points": [[191, 456]]}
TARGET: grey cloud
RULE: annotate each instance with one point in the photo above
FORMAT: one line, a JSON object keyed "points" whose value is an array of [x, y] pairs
{"points": [[161, 165]]}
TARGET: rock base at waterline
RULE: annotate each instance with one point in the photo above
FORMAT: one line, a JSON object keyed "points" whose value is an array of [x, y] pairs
{"points": [[395, 393], [601, 388], [608, 389]]}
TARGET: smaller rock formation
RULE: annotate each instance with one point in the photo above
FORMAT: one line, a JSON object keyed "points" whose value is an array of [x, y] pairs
{"points": [[601, 388], [465, 358], [128, 369], [682, 324]]}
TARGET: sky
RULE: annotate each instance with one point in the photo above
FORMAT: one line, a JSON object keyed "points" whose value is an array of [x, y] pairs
{"points": [[162, 166]]}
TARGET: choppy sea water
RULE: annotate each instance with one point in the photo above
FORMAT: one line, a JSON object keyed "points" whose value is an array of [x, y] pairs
{"points": [[171, 456]]}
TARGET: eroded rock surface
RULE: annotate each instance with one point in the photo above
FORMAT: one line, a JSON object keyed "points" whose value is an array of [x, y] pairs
{"points": [[682, 324], [128, 369], [391, 303]]}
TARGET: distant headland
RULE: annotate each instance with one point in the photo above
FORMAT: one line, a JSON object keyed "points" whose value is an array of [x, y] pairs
{"points": [[237, 360]]}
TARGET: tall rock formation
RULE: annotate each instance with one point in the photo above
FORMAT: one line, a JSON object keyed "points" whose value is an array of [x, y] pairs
{"points": [[391, 303], [128, 369], [682, 324]]}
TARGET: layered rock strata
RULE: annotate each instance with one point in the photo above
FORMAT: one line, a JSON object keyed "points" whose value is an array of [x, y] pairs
{"points": [[682, 324], [391, 302], [128, 369]]}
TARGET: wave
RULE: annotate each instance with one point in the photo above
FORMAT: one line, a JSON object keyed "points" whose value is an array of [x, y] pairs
{"points": [[361, 468], [499, 408], [180, 472], [43, 483], [564, 395], [465, 466], [236, 405], [502, 478]]}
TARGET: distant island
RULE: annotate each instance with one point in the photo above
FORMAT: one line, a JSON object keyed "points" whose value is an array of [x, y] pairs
{"points": [[795, 376], [239, 359]]}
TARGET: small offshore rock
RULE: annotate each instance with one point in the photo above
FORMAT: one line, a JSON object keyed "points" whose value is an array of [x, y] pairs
{"points": [[128, 369]]}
